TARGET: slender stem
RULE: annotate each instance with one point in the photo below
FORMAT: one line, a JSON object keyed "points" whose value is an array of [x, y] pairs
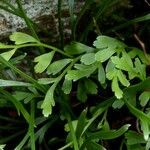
{"points": [[35, 45], [74, 138], [66, 146], [23, 141], [31, 125]]}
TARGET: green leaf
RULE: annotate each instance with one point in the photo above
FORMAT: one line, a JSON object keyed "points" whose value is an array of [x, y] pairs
{"points": [[144, 119], [134, 138], [116, 89], [43, 61], [122, 78], [111, 74], [144, 98], [105, 135], [81, 92], [140, 68], [8, 83], [74, 124], [90, 86], [8, 55], [46, 80], [110, 66], [48, 102], [101, 74], [103, 55], [119, 63], [67, 86], [108, 42], [78, 74], [135, 52], [82, 121], [57, 66], [118, 104], [22, 38], [123, 63], [77, 48], [88, 58], [145, 128]]}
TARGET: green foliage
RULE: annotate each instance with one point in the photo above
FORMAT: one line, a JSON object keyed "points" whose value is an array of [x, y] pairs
{"points": [[76, 86]]}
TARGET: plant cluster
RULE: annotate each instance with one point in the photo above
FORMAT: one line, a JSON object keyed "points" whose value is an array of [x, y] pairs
{"points": [[75, 88]]}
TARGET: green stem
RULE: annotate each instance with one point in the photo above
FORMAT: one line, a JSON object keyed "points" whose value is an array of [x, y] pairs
{"points": [[35, 45], [66, 146], [31, 125], [74, 139], [23, 141]]}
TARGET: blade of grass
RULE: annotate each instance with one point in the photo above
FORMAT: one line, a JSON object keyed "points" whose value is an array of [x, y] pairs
{"points": [[102, 8], [73, 134], [82, 12], [60, 24], [32, 124], [132, 21], [23, 141], [11, 137]]}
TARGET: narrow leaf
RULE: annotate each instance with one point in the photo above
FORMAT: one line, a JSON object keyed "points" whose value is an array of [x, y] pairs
{"points": [[67, 86], [90, 86], [7, 83], [46, 80], [48, 102], [144, 98], [106, 135], [101, 74], [82, 121], [81, 92], [116, 89], [111, 74], [140, 68], [122, 78]]}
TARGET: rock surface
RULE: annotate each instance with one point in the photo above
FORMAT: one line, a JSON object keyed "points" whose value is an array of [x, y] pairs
{"points": [[42, 12]]}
